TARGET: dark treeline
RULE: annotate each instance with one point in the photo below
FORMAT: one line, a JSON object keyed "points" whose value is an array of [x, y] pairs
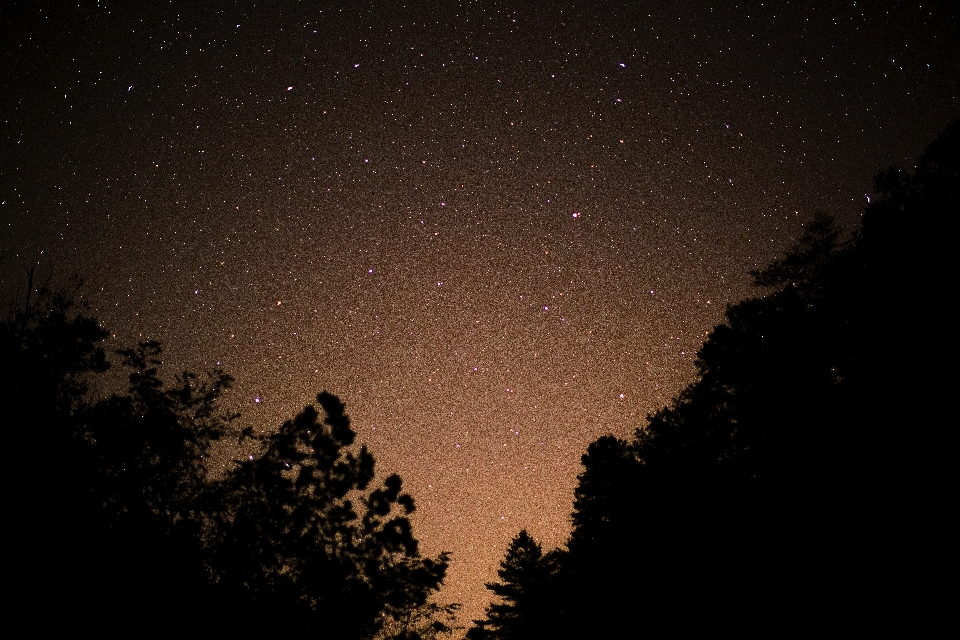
{"points": [[801, 481], [113, 523]]}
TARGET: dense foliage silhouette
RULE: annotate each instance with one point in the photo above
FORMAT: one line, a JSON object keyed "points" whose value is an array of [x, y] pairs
{"points": [[522, 608], [291, 543], [801, 479], [112, 513]]}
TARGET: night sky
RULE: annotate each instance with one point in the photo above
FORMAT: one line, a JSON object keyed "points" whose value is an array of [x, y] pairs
{"points": [[495, 230]]}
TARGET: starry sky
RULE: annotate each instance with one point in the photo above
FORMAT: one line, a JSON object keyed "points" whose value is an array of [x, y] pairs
{"points": [[497, 230]]}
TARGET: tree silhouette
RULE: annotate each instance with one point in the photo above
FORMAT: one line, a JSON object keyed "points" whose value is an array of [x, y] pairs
{"points": [[148, 500], [428, 621], [155, 440], [291, 539], [110, 501], [801, 478], [523, 592], [49, 348]]}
